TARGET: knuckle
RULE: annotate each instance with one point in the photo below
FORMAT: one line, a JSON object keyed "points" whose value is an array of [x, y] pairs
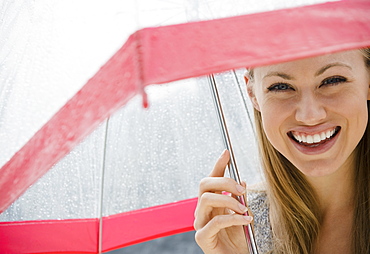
{"points": [[195, 224], [196, 211], [217, 221], [198, 237], [204, 181], [203, 184], [205, 204], [230, 182], [205, 198]]}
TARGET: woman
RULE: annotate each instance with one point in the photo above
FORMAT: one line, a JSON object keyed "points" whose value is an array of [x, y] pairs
{"points": [[312, 122]]}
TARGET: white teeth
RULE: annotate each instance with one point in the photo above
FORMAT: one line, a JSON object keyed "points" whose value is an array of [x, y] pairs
{"points": [[304, 139], [323, 136], [317, 138], [309, 139], [299, 137]]}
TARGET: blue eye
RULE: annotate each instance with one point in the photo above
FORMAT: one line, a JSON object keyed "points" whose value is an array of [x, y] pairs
{"points": [[279, 87], [333, 80]]}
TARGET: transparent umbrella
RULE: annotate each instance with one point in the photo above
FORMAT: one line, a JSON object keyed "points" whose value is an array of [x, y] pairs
{"points": [[135, 177]]}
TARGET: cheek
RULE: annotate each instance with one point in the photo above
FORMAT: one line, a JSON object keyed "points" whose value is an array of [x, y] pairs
{"points": [[275, 111], [357, 119], [274, 118], [353, 107]]}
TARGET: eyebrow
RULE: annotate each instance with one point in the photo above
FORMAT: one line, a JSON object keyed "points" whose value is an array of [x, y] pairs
{"points": [[319, 72], [278, 74], [326, 67]]}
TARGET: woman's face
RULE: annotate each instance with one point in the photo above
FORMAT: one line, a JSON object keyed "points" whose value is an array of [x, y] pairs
{"points": [[314, 111]]}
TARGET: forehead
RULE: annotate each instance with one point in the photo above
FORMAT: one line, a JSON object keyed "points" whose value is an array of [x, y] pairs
{"points": [[353, 58]]}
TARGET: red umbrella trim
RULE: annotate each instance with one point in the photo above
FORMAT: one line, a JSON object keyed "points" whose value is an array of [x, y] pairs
{"points": [[81, 235]]}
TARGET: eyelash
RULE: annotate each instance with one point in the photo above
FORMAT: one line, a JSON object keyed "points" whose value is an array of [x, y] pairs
{"points": [[331, 81], [336, 80], [275, 87]]}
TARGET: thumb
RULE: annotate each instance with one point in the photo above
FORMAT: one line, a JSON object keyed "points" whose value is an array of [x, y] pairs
{"points": [[220, 166]]}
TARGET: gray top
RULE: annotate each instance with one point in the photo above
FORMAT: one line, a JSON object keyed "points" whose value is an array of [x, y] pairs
{"points": [[258, 204]]}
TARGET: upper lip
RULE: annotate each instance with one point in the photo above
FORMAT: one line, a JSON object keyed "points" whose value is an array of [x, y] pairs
{"points": [[314, 134], [312, 130]]}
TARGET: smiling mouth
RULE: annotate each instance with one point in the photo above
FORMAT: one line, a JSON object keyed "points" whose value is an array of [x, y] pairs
{"points": [[314, 140]]}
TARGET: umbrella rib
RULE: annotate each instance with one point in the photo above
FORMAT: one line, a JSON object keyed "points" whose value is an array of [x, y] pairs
{"points": [[244, 101], [100, 232]]}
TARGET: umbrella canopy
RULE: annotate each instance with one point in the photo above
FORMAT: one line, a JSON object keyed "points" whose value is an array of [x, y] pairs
{"points": [[128, 163]]}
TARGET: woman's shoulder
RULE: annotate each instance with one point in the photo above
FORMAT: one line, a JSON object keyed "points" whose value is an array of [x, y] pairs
{"points": [[258, 204], [258, 187], [257, 196]]}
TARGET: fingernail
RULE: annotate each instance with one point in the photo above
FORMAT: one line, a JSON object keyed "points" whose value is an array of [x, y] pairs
{"points": [[226, 193], [223, 153], [240, 188], [248, 218], [243, 208]]}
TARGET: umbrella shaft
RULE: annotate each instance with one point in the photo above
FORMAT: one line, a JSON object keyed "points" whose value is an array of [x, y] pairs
{"points": [[233, 170]]}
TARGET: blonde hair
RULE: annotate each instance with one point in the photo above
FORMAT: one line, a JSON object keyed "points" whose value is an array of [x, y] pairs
{"points": [[295, 213]]}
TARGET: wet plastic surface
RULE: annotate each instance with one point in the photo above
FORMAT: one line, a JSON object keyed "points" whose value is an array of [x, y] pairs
{"points": [[139, 157]]}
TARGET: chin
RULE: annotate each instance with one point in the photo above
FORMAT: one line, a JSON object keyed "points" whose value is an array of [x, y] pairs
{"points": [[317, 168]]}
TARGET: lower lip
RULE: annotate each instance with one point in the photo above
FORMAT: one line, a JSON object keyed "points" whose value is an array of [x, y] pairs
{"points": [[322, 148]]}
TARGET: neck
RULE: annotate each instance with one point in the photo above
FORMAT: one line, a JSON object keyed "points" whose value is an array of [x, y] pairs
{"points": [[335, 192]]}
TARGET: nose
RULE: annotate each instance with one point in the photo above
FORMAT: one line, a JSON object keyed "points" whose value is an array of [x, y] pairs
{"points": [[310, 110]]}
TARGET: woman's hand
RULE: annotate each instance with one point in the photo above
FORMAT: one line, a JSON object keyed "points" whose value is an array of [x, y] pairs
{"points": [[219, 218]]}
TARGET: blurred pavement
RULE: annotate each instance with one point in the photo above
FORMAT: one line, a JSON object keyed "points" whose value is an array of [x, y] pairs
{"points": [[180, 243]]}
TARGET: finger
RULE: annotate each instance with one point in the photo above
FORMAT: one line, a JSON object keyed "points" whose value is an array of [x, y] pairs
{"points": [[220, 166], [220, 184], [244, 184], [208, 202], [218, 223]]}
